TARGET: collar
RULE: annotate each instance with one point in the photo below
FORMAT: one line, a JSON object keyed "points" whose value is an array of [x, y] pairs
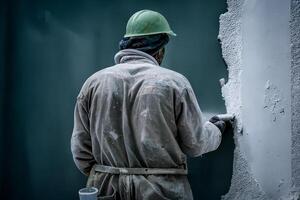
{"points": [[133, 55]]}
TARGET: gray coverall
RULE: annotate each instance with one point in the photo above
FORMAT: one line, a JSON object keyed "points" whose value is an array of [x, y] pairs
{"points": [[138, 114]]}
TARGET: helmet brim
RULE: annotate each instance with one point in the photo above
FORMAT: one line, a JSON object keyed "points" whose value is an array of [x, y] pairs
{"points": [[171, 33]]}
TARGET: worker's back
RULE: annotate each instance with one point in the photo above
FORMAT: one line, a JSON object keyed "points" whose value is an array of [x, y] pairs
{"points": [[134, 123]]}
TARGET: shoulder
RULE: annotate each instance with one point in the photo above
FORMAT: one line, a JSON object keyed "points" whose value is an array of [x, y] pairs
{"points": [[171, 78], [94, 80]]}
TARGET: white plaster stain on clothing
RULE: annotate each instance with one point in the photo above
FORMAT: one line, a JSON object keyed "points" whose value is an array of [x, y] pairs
{"points": [[114, 135], [144, 113]]}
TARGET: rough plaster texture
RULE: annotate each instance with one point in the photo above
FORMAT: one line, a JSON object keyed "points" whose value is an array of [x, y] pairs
{"points": [[255, 40], [273, 101], [295, 80]]}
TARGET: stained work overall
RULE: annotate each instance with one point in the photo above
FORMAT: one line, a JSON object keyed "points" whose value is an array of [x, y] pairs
{"points": [[136, 114]]}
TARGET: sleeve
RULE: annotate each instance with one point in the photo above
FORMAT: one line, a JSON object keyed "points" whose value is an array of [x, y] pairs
{"points": [[195, 137], [81, 145]]}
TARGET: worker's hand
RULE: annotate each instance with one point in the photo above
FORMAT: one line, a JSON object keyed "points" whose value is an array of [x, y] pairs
{"points": [[218, 123]]}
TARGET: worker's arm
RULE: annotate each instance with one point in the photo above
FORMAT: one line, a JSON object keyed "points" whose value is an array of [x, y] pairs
{"points": [[81, 144], [195, 137]]}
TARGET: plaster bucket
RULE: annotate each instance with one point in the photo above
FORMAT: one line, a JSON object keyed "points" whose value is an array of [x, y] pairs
{"points": [[88, 193]]}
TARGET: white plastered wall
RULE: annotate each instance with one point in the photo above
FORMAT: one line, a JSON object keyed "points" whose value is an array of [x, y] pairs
{"points": [[262, 92]]}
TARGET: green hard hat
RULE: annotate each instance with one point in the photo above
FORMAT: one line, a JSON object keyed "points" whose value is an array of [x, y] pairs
{"points": [[147, 22]]}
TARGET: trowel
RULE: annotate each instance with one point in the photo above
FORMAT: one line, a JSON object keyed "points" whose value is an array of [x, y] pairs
{"points": [[226, 117]]}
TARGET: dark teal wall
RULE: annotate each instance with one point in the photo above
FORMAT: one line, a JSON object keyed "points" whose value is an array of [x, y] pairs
{"points": [[48, 49]]}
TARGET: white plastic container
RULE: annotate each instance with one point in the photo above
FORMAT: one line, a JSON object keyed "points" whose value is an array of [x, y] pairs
{"points": [[88, 193]]}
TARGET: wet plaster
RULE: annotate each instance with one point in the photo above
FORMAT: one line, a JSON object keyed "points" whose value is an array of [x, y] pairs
{"points": [[263, 93]]}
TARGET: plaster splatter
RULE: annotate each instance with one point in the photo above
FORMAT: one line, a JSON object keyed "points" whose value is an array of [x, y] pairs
{"points": [[273, 101]]}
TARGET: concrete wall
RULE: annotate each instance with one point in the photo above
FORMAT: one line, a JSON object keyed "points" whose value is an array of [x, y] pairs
{"points": [[261, 91]]}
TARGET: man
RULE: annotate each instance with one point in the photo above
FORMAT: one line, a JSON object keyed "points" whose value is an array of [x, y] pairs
{"points": [[135, 122]]}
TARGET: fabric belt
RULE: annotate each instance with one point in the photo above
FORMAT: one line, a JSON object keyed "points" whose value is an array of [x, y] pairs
{"points": [[140, 171]]}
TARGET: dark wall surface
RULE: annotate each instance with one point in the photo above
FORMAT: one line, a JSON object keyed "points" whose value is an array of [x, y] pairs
{"points": [[48, 49]]}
